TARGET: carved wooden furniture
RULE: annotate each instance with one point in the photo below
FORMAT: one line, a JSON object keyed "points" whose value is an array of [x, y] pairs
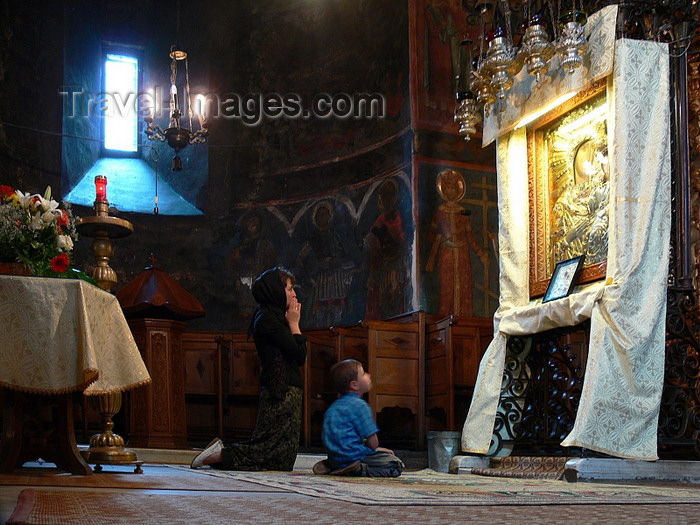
{"points": [[319, 392], [156, 307], [222, 385], [157, 415], [454, 348], [207, 374], [423, 373], [241, 401], [396, 362], [352, 342], [439, 365], [23, 411]]}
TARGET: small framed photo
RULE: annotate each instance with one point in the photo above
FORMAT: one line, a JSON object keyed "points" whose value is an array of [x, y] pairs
{"points": [[563, 279]]}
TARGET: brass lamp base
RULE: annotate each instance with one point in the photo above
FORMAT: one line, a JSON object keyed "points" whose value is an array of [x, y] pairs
{"points": [[107, 448], [109, 456]]}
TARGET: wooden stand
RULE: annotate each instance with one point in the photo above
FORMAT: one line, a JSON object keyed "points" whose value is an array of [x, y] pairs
{"points": [[396, 362], [454, 348], [106, 447], [57, 445], [158, 410]]}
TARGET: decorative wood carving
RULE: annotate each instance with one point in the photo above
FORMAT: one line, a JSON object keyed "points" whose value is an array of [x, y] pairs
{"points": [[157, 414]]}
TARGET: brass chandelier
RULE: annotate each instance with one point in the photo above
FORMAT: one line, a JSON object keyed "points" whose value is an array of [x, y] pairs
{"points": [[178, 137]]}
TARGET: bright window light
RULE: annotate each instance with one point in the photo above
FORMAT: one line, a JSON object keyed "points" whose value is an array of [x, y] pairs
{"points": [[121, 89], [543, 110]]}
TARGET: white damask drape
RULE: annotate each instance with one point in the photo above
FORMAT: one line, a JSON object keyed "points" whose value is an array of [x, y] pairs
{"points": [[65, 335], [621, 396]]}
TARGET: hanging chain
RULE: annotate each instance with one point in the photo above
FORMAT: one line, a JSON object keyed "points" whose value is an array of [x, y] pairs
{"points": [[187, 89], [555, 22], [506, 12], [177, 22], [173, 93], [482, 37]]}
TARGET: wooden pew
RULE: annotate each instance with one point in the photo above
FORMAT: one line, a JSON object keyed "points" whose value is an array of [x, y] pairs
{"points": [[396, 361], [207, 375], [319, 393], [423, 369], [455, 346], [222, 384]]}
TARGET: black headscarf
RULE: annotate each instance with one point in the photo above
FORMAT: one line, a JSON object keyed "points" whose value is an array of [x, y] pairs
{"points": [[268, 291]]}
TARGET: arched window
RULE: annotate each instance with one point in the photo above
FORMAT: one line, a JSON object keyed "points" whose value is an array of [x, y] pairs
{"points": [[121, 89]]}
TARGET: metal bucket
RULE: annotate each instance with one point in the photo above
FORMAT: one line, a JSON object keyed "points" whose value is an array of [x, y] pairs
{"points": [[442, 447]]}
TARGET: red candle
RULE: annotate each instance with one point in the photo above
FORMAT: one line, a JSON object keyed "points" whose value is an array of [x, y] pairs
{"points": [[101, 188]]}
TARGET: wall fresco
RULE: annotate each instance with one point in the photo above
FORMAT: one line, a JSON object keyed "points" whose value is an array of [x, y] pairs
{"points": [[458, 241]]}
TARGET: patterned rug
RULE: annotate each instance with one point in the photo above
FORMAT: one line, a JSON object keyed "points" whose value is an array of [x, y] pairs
{"points": [[427, 487], [526, 467], [156, 478], [126, 507]]}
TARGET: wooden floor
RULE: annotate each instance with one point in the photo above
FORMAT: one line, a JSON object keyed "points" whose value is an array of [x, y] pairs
{"points": [[272, 507]]}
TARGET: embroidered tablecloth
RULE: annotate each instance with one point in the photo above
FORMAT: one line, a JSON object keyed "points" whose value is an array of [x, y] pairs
{"points": [[65, 335]]}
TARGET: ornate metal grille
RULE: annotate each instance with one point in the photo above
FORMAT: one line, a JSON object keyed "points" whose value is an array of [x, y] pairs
{"points": [[542, 385]]}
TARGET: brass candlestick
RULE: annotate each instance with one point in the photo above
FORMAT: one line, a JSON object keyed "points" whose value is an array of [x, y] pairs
{"points": [[106, 447], [103, 228]]}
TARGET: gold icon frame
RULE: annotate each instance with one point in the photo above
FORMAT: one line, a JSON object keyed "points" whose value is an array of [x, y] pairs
{"points": [[553, 143]]}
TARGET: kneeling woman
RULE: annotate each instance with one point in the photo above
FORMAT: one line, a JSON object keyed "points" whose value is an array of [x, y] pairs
{"points": [[282, 350]]}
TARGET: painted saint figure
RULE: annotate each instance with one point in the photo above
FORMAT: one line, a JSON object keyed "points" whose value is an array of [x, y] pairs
{"points": [[451, 238], [326, 269], [251, 254], [388, 281]]}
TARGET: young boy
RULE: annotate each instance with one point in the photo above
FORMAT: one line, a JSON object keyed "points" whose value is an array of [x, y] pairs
{"points": [[350, 432]]}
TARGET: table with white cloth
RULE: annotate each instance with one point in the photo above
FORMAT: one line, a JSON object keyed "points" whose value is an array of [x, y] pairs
{"points": [[59, 338]]}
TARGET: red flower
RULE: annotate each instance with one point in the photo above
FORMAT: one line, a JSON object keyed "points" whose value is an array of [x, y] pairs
{"points": [[60, 263], [6, 191], [62, 219]]}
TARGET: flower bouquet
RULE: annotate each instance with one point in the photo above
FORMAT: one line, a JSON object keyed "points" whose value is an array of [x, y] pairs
{"points": [[34, 231]]}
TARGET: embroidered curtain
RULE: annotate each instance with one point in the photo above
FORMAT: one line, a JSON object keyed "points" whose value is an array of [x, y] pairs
{"points": [[619, 406]]}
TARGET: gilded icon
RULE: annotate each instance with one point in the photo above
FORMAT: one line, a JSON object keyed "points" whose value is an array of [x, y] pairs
{"points": [[569, 188]]}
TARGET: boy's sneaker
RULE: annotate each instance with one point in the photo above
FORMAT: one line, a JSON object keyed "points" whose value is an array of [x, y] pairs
{"points": [[321, 468], [353, 469]]}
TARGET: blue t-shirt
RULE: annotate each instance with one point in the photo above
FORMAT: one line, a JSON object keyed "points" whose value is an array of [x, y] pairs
{"points": [[346, 424]]}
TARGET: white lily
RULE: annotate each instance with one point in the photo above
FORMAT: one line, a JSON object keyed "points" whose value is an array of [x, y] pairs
{"points": [[37, 222], [65, 243], [47, 205], [49, 216], [25, 199]]}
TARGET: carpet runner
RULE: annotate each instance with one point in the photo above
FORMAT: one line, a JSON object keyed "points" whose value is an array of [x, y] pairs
{"points": [[525, 467], [112, 477], [84, 507], [426, 497], [427, 487]]}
